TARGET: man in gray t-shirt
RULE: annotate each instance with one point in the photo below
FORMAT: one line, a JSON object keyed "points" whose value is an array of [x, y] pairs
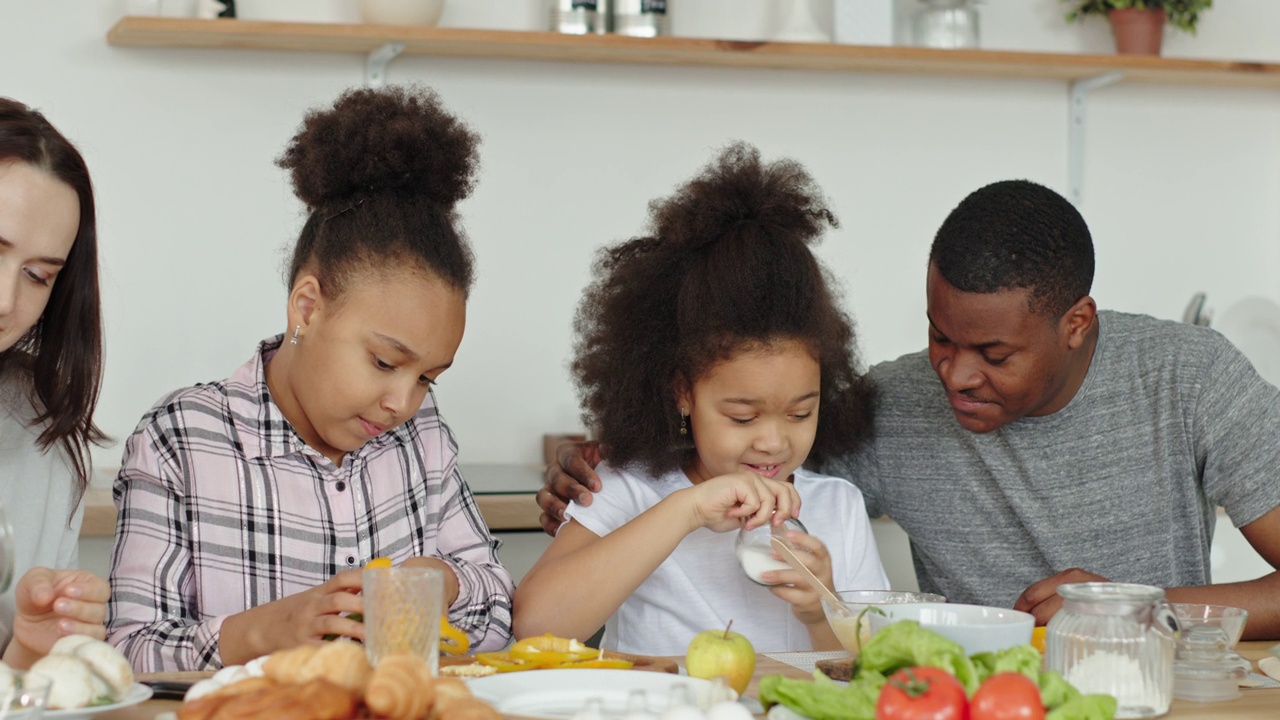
{"points": [[1039, 442]]}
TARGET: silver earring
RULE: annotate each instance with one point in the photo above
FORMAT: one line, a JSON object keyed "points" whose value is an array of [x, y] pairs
{"points": [[684, 427], [294, 340]]}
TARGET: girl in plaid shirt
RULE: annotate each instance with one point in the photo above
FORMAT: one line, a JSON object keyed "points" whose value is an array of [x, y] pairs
{"points": [[247, 506]]}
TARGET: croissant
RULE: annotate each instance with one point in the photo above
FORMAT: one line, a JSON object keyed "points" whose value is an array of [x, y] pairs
{"points": [[401, 687], [471, 709], [286, 666], [207, 707], [449, 692], [341, 662]]}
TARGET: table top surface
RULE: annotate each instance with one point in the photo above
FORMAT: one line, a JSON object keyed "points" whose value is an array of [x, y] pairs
{"points": [[1254, 702]]}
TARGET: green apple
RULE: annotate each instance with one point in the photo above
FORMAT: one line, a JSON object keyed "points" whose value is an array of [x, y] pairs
{"points": [[721, 653]]}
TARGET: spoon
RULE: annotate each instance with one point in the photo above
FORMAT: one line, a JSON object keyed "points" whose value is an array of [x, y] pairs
{"points": [[783, 548]]}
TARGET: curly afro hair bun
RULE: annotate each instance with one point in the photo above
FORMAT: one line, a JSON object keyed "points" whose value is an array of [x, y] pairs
{"points": [[399, 140], [738, 196], [381, 172]]}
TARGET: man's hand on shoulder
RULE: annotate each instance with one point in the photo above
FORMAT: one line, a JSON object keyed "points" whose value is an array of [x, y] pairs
{"points": [[571, 476], [1042, 599]]}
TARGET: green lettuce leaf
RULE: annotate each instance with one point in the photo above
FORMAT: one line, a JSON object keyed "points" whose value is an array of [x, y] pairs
{"points": [[905, 644], [1085, 707], [821, 699]]}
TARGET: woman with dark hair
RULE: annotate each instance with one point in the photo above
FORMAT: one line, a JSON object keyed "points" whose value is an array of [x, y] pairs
{"points": [[247, 506], [50, 374]]}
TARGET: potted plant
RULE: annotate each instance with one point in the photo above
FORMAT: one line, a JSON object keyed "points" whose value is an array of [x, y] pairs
{"points": [[1139, 24]]}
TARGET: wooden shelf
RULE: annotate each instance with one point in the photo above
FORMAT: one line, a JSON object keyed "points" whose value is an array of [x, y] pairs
{"points": [[453, 42]]}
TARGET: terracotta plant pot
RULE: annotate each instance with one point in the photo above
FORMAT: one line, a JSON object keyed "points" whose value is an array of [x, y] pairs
{"points": [[1138, 32]]}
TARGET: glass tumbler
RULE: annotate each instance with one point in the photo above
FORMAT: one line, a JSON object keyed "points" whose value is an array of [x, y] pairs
{"points": [[403, 607], [1116, 639], [754, 548]]}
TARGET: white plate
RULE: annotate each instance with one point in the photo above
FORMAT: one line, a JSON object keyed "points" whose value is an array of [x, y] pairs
{"points": [[562, 693], [1253, 325], [138, 693]]}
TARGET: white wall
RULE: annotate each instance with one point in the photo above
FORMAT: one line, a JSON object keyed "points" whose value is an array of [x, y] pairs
{"points": [[1181, 189]]}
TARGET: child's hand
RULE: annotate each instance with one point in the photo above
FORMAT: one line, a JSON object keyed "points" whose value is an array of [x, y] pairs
{"points": [[795, 588], [299, 619], [723, 503], [52, 603]]}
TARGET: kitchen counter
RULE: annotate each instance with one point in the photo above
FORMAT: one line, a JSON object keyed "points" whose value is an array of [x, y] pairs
{"points": [[504, 493]]}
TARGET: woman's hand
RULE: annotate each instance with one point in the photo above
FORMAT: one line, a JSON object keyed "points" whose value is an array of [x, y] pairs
{"points": [[50, 604], [796, 589], [724, 503], [303, 618]]}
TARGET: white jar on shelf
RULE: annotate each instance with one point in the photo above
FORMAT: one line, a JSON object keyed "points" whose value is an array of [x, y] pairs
{"points": [[948, 24]]}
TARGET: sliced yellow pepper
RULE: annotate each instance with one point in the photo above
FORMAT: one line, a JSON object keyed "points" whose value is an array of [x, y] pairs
{"points": [[452, 640], [1037, 638], [381, 562], [600, 663], [546, 650], [503, 662]]}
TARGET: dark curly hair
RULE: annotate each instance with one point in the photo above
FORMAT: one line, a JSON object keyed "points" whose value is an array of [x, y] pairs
{"points": [[380, 173], [1016, 234], [62, 352], [726, 268]]}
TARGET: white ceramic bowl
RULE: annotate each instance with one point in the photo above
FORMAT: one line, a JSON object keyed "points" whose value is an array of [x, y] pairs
{"points": [[1230, 619], [401, 12], [977, 628], [854, 633]]}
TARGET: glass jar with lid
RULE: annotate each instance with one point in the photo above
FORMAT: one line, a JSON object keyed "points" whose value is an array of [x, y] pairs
{"points": [[1116, 639], [948, 24]]}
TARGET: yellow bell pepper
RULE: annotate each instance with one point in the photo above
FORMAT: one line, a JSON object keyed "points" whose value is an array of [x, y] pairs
{"points": [[452, 640], [547, 650], [503, 662], [381, 562], [599, 663]]}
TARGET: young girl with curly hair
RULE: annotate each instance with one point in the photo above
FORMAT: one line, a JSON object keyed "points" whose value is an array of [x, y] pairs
{"points": [[714, 362], [247, 506]]}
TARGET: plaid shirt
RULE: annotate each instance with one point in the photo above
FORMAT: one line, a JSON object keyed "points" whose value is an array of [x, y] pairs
{"points": [[223, 507]]}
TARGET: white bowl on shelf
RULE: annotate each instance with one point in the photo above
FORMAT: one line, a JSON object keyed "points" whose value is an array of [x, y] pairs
{"points": [[401, 12]]}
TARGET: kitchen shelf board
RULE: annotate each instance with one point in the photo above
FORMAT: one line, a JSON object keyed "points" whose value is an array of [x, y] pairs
{"points": [[549, 46]]}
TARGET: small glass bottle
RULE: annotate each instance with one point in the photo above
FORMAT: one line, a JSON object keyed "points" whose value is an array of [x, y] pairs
{"points": [[948, 24], [1116, 639]]}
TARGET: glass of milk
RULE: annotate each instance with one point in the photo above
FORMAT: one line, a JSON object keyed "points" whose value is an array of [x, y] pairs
{"points": [[756, 553]]}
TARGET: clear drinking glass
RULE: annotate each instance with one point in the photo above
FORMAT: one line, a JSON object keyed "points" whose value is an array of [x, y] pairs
{"points": [[1117, 639], [25, 697], [403, 607], [754, 548], [6, 552]]}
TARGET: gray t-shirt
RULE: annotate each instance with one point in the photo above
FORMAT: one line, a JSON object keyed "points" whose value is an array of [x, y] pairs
{"points": [[36, 492], [1171, 420]]}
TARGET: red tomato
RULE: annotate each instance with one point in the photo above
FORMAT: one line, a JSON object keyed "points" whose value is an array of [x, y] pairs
{"points": [[1007, 696], [922, 693]]}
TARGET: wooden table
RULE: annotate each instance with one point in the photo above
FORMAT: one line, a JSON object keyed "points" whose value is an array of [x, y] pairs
{"points": [[1256, 703]]}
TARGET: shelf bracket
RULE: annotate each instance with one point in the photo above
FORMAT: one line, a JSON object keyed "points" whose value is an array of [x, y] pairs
{"points": [[1080, 90], [375, 69]]}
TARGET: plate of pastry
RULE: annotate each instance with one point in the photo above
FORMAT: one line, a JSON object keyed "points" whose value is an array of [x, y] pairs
{"points": [[137, 694]]}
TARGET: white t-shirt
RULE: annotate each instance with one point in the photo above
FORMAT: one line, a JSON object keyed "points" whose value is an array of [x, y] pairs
{"points": [[36, 492], [701, 586]]}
